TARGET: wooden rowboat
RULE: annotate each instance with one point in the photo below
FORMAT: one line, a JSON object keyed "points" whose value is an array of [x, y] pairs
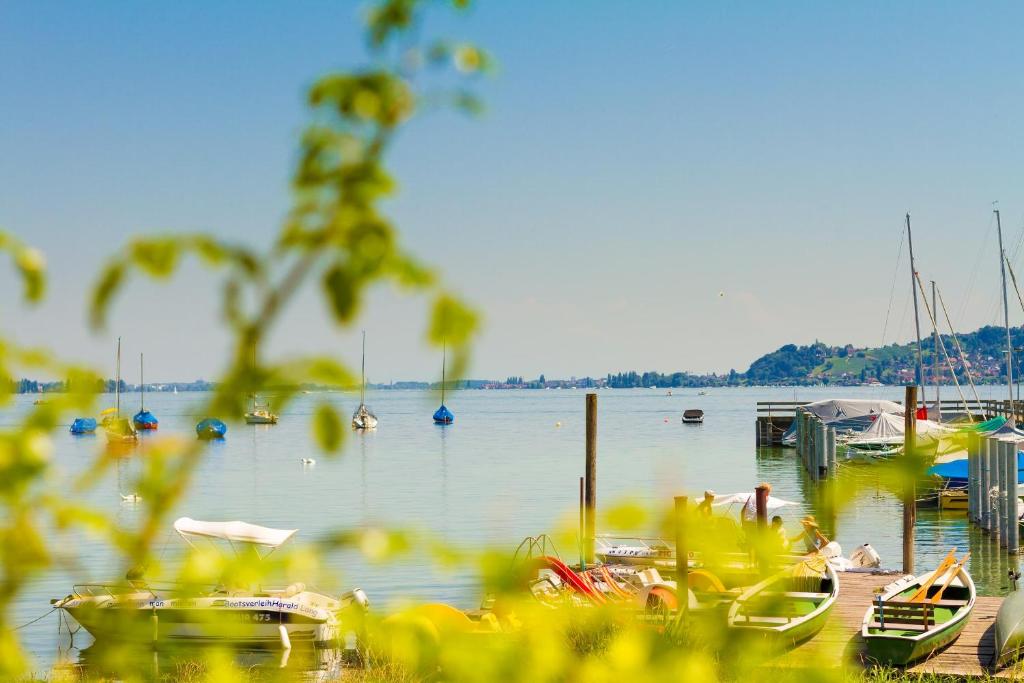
{"points": [[790, 607], [899, 630], [1010, 629]]}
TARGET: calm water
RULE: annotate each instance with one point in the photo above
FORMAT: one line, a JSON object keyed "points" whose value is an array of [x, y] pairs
{"points": [[504, 470]]}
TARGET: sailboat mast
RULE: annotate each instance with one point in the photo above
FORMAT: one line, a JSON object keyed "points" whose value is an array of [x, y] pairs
{"points": [[142, 381], [117, 382], [362, 373], [936, 369], [917, 320], [444, 363], [1006, 316]]}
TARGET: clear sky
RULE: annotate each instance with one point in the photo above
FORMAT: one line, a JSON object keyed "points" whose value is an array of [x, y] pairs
{"points": [[655, 185]]}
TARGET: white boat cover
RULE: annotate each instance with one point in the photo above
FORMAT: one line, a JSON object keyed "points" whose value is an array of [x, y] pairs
{"points": [[733, 498], [835, 409], [240, 532], [888, 428]]}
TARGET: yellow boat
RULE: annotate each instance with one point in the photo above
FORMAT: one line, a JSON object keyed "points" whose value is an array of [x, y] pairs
{"points": [[953, 499]]}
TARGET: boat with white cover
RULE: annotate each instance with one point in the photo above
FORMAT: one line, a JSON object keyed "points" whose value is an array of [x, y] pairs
{"points": [[138, 611]]}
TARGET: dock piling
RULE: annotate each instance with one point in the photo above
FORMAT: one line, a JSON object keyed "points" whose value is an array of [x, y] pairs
{"points": [[591, 476], [682, 556], [1013, 503], [831, 441], [909, 486]]}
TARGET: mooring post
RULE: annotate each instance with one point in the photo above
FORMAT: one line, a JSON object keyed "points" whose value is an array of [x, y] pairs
{"points": [[583, 516], [909, 484], [591, 475], [822, 450], [1013, 504], [761, 503], [831, 440], [995, 493], [973, 443], [682, 556], [986, 484], [799, 416]]}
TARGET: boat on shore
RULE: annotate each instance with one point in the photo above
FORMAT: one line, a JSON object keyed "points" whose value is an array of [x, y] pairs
{"points": [[916, 616], [137, 611]]}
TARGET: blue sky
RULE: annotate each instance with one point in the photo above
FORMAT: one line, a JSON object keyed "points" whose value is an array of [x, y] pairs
{"points": [[636, 161]]}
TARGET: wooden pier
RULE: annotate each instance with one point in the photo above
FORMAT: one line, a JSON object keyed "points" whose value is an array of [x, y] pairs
{"points": [[839, 643]]}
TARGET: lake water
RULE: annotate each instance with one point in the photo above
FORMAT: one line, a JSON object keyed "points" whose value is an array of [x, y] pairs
{"points": [[509, 467]]}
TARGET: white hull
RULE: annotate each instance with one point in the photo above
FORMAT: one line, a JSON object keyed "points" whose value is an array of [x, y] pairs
{"points": [[244, 620]]}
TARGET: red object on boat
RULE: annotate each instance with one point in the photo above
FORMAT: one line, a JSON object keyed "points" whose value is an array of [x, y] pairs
{"points": [[571, 578], [922, 413]]}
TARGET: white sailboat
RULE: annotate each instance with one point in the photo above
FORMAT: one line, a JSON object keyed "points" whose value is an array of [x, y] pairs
{"points": [[363, 418], [260, 414]]}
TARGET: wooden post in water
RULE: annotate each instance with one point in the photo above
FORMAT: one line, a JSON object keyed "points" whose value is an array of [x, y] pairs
{"points": [[998, 470], [761, 502], [909, 484], [583, 517], [973, 446], [591, 476], [822, 465], [682, 556], [985, 483], [831, 441]]}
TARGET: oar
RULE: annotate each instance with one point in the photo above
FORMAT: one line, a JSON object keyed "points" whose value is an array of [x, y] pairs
{"points": [[952, 575], [922, 592]]}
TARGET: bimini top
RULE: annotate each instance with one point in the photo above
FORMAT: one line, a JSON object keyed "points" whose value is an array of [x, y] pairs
{"points": [[742, 497], [239, 532]]}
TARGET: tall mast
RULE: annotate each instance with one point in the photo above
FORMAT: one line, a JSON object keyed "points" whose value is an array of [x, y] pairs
{"points": [[362, 385], [936, 369], [117, 382], [917, 320], [1006, 316], [444, 363], [142, 380]]}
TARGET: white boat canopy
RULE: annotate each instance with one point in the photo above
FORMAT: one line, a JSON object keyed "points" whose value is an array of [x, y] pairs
{"points": [[890, 429], [835, 409], [237, 532]]}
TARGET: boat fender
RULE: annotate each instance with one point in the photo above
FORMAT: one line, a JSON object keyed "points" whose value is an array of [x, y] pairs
{"points": [[286, 642]]}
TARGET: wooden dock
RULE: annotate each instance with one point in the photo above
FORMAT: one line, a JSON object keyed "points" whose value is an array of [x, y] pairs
{"points": [[840, 643]]}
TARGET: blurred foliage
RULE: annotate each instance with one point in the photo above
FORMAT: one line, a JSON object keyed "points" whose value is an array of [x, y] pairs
{"points": [[337, 240]]}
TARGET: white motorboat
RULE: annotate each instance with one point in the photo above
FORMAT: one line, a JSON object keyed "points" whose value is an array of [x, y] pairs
{"points": [[260, 415], [137, 611]]}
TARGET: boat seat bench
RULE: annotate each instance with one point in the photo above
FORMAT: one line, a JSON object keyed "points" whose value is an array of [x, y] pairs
{"points": [[794, 594], [898, 626]]}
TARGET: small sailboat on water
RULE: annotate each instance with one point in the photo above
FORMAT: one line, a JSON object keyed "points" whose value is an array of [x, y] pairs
{"points": [[363, 418], [83, 425], [119, 429], [144, 419], [260, 414], [442, 415]]}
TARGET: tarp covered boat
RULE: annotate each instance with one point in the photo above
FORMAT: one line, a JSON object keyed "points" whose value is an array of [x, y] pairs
{"points": [[211, 428], [83, 425], [443, 416], [145, 420], [849, 414]]}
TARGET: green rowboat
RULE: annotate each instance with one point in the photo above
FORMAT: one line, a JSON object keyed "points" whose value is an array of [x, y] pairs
{"points": [[899, 632], [1010, 629], [787, 608]]}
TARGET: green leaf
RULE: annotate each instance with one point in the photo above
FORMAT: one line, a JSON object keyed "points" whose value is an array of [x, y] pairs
{"points": [[107, 286], [452, 321], [327, 428], [156, 256], [342, 289]]}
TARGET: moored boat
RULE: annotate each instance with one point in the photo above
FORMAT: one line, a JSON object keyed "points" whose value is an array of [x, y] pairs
{"points": [[137, 611], [211, 428], [1010, 628], [789, 607], [693, 416], [260, 415], [363, 418], [83, 425], [144, 419], [916, 616], [116, 428], [442, 415]]}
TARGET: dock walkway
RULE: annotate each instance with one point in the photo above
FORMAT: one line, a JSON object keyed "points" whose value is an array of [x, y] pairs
{"points": [[839, 642]]}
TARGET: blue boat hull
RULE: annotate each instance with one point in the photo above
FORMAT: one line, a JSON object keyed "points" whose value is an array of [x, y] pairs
{"points": [[211, 429], [443, 416]]}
